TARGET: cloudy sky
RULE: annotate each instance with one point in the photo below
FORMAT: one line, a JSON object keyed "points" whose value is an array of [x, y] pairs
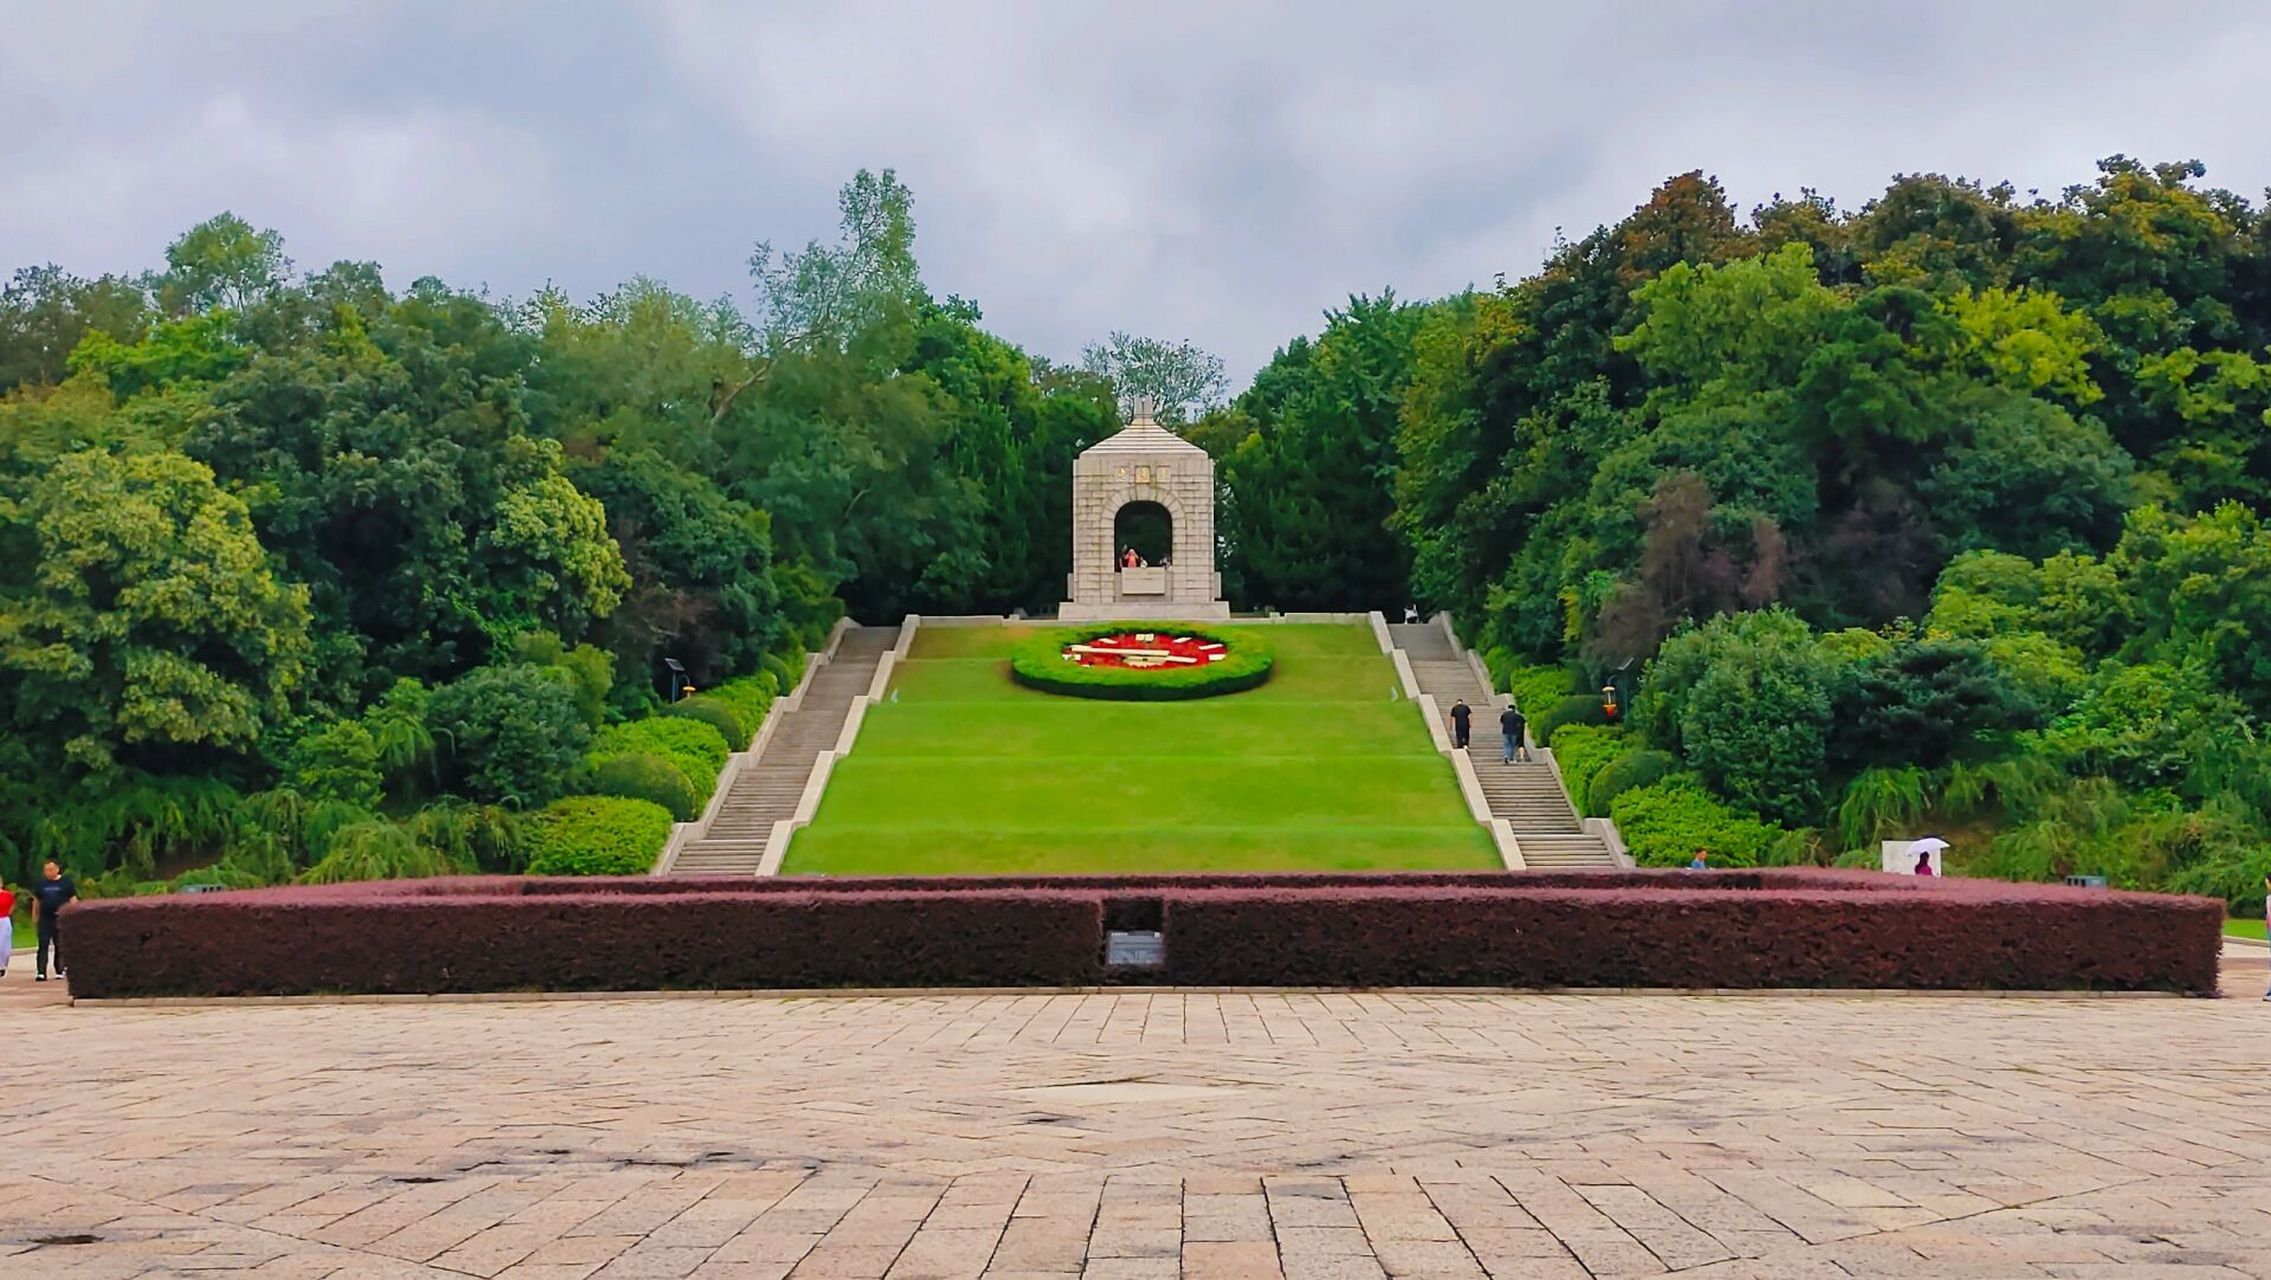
{"points": [[1212, 171]]}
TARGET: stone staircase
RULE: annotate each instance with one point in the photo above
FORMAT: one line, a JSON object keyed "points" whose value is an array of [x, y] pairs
{"points": [[1529, 796], [768, 788]]}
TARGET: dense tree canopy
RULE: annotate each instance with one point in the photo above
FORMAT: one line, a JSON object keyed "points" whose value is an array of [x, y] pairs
{"points": [[1948, 509], [251, 516], [1945, 511]]}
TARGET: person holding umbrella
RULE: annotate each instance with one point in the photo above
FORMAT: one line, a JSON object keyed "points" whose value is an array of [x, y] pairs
{"points": [[1927, 853]]}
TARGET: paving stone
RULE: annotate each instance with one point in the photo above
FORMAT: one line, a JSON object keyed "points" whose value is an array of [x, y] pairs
{"points": [[1230, 1260], [893, 1138]]}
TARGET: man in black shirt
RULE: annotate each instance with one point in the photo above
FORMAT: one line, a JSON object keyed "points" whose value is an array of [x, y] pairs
{"points": [[1460, 714], [52, 892], [1511, 726]]}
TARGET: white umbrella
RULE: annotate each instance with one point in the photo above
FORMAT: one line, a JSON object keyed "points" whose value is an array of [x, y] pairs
{"points": [[1929, 844]]}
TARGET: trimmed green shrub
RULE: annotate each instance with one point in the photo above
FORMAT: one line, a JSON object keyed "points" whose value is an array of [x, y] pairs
{"points": [[786, 670], [1574, 708], [1038, 662], [597, 836], [716, 713], [750, 697], [1666, 823], [1637, 768], [1581, 750], [646, 776], [377, 850], [691, 744], [1536, 689]]}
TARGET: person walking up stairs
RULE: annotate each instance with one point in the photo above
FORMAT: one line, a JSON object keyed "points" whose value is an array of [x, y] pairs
{"points": [[1525, 791]]}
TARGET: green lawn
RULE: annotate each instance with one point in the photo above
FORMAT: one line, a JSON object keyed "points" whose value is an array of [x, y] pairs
{"points": [[2244, 928], [963, 772]]}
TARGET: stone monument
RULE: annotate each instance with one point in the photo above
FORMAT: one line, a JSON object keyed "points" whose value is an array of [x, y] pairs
{"points": [[1144, 463]]}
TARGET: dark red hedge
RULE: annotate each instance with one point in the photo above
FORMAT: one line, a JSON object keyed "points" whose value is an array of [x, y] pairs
{"points": [[289, 942], [2020, 939], [1746, 928]]}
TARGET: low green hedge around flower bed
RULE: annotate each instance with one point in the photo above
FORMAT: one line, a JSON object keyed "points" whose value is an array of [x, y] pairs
{"points": [[1038, 662], [1777, 928], [597, 836]]}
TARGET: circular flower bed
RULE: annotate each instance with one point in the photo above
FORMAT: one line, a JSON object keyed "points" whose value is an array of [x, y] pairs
{"points": [[1141, 662]]}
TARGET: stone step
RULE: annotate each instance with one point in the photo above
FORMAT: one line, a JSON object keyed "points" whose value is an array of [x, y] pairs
{"points": [[768, 791], [1529, 797]]}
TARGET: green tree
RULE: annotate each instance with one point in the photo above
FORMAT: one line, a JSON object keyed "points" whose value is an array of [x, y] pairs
{"points": [[1922, 702], [222, 262], [508, 734], [1745, 699], [46, 312], [549, 558], [339, 762], [150, 623], [2201, 588], [390, 467], [1178, 380], [842, 297], [700, 565], [1313, 479]]}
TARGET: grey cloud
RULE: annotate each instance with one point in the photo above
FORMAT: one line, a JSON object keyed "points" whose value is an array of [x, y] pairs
{"points": [[1218, 172]]}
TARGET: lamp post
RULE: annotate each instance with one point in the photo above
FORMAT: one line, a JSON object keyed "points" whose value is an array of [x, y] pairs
{"points": [[1614, 695]]}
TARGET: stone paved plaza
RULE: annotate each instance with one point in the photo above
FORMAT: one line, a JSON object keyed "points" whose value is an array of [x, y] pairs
{"points": [[1193, 1135]]}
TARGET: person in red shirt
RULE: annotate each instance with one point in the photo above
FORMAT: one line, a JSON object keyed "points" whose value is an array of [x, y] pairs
{"points": [[7, 926]]}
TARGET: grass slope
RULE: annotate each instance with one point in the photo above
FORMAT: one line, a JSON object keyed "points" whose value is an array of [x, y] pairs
{"points": [[2244, 928], [966, 773]]}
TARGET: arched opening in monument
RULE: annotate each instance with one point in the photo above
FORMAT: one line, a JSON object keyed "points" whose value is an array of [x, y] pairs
{"points": [[1148, 528]]}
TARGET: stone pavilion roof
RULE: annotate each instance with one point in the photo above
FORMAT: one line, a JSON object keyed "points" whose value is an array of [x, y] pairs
{"points": [[1143, 436]]}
